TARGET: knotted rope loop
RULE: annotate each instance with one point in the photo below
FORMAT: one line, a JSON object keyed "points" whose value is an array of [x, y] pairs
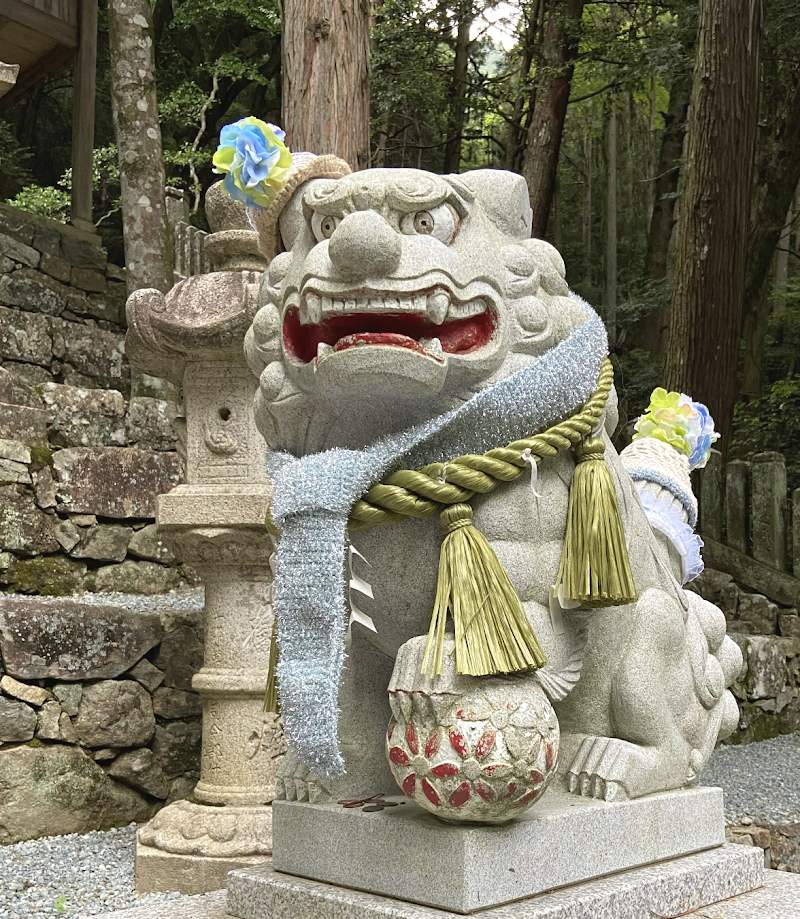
{"points": [[422, 492]]}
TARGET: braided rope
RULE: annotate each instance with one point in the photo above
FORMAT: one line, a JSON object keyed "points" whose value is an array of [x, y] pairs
{"points": [[423, 492]]}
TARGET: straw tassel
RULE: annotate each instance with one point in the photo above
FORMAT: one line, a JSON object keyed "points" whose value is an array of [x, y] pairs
{"points": [[492, 632], [595, 569], [271, 703]]}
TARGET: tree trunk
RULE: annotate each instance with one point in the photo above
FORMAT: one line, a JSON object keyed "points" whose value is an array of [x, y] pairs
{"points": [[653, 328], [776, 185], [587, 210], [515, 135], [148, 261], [546, 124], [651, 146], [611, 224], [754, 335], [667, 174], [326, 67], [458, 91], [782, 255], [708, 285]]}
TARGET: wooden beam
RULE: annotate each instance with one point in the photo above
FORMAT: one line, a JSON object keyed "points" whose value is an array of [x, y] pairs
{"points": [[777, 585], [83, 117], [63, 32], [58, 58]]}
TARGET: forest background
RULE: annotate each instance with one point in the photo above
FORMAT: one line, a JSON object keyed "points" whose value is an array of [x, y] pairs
{"points": [[588, 100]]}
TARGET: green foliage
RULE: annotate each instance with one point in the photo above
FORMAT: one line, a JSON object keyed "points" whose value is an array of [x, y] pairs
{"points": [[60, 905], [771, 423], [47, 202], [54, 201], [15, 171], [216, 61]]}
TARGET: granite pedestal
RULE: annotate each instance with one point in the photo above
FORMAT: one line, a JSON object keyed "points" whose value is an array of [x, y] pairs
{"points": [[406, 853], [673, 888]]}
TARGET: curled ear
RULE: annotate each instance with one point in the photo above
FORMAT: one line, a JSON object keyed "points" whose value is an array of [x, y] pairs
{"points": [[503, 197]]}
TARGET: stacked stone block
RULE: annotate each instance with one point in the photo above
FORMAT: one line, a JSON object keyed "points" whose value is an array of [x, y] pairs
{"points": [[82, 456], [768, 690], [99, 725]]}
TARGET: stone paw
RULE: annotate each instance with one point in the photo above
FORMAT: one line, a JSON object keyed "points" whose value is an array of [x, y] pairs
{"points": [[296, 782], [603, 768]]}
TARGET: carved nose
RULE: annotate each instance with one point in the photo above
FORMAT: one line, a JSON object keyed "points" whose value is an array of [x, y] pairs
{"points": [[364, 246]]}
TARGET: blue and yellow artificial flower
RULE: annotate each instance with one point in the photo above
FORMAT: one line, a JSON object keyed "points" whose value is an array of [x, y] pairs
{"points": [[255, 160], [676, 420]]}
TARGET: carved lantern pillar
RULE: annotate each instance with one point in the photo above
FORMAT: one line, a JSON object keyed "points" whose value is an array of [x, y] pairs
{"points": [[215, 521]]}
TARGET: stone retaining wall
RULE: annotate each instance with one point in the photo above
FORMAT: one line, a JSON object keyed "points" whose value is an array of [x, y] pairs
{"points": [[768, 691], [82, 453], [780, 842], [99, 725]]}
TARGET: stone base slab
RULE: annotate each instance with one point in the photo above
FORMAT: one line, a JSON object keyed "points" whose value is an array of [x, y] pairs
{"points": [[406, 853], [673, 888], [160, 872]]}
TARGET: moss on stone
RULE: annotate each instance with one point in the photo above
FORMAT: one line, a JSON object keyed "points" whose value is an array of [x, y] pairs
{"points": [[40, 457], [50, 574]]}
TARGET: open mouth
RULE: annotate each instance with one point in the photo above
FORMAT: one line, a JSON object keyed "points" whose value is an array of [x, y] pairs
{"points": [[430, 323]]}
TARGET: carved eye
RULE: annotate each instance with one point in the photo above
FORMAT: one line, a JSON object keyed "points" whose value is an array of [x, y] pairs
{"points": [[440, 222], [423, 223], [323, 225]]}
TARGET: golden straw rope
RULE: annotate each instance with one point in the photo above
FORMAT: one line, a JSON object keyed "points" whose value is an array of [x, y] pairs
{"points": [[421, 493]]}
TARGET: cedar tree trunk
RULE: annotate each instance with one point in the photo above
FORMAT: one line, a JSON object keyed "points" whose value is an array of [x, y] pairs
{"points": [[708, 283], [546, 124], [458, 91], [326, 67]]}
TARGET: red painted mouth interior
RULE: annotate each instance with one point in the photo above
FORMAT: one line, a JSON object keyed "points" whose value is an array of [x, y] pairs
{"points": [[399, 330]]}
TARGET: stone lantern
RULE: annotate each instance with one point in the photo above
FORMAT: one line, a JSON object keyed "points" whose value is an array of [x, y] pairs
{"points": [[193, 337]]}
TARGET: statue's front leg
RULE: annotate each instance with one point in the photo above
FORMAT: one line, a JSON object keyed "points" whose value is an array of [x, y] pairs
{"points": [[651, 704]]}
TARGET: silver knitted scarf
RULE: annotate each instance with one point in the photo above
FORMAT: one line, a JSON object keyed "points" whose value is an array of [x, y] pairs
{"points": [[314, 496]]}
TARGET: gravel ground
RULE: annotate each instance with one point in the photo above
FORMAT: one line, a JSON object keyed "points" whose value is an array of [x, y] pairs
{"points": [[761, 780], [75, 875]]}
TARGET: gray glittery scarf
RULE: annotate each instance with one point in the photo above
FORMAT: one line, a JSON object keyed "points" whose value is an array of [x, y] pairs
{"points": [[313, 498]]}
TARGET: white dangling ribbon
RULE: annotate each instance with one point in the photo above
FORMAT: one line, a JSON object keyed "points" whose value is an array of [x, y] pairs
{"points": [[558, 603], [531, 460], [360, 586]]}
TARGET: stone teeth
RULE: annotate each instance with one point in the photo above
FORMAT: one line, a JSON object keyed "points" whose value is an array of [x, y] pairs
{"points": [[350, 306], [323, 350], [431, 344], [437, 307], [327, 305], [313, 310], [406, 304], [338, 306], [466, 310]]}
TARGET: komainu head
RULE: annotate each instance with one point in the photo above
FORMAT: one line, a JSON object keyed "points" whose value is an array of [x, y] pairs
{"points": [[403, 288]]}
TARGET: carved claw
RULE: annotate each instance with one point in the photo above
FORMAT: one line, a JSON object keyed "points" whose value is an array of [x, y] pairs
{"points": [[601, 768], [296, 782]]}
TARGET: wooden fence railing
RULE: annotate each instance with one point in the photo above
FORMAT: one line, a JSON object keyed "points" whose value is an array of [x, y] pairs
{"points": [[750, 524]]}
